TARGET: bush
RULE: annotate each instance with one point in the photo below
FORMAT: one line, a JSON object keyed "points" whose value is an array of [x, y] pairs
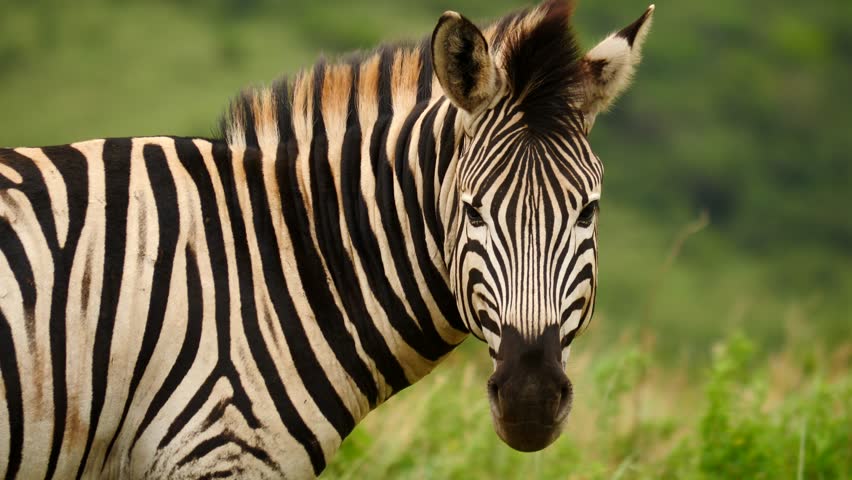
{"points": [[747, 416]]}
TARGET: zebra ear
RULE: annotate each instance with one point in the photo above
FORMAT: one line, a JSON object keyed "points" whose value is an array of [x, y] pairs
{"points": [[609, 67], [462, 63]]}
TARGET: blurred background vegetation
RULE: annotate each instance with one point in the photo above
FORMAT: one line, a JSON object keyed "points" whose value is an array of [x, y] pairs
{"points": [[740, 109]]}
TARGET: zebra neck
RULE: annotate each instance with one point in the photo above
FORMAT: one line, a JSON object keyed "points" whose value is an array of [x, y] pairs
{"points": [[360, 209], [367, 146], [404, 161]]}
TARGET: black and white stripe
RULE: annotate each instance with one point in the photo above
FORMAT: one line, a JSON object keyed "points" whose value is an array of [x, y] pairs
{"points": [[525, 260], [205, 308]]}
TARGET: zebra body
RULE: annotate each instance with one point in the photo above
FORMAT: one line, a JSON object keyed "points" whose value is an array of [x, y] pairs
{"points": [[204, 308], [202, 314]]}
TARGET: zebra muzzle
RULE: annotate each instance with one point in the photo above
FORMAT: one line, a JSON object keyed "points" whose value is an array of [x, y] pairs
{"points": [[530, 394]]}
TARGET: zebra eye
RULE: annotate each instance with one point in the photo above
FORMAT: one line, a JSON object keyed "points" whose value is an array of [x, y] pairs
{"points": [[588, 214], [473, 216]]}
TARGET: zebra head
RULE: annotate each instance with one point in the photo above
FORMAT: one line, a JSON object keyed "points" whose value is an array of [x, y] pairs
{"points": [[521, 209]]}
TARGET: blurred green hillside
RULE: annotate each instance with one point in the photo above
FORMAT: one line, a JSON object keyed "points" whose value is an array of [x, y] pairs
{"points": [[740, 109]]}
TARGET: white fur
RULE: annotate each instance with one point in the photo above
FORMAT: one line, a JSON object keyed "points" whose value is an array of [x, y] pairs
{"points": [[620, 64]]}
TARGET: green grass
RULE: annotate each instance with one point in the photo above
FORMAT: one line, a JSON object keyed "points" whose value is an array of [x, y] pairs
{"points": [[788, 417]]}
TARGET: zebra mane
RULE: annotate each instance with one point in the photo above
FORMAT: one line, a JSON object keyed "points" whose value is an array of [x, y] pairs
{"points": [[536, 49], [542, 61]]}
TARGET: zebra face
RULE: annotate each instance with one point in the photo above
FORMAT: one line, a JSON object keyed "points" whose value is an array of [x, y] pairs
{"points": [[521, 214], [524, 263], [524, 255]]}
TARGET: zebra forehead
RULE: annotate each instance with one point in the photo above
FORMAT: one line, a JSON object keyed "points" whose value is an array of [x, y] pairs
{"points": [[552, 165], [535, 48]]}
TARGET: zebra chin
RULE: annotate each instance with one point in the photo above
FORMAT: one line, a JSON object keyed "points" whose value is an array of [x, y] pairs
{"points": [[527, 437], [529, 393]]}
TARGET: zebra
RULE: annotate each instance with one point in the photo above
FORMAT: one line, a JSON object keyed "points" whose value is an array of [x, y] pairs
{"points": [[175, 307]]}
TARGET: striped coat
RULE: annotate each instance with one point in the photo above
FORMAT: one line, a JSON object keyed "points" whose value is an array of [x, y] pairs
{"points": [[204, 308]]}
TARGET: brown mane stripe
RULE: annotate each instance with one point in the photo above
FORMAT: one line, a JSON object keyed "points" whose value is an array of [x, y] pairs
{"points": [[536, 48]]}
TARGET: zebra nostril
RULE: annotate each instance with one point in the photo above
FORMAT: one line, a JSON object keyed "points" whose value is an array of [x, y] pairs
{"points": [[564, 404], [493, 390], [494, 397]]}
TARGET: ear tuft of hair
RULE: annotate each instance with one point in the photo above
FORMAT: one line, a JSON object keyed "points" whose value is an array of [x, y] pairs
{"points": [[631, 32]]}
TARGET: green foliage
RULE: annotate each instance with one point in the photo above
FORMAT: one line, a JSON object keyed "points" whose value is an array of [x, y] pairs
{"points": [[734, 442], [736, 420], [809, 433], [615, 376]]}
